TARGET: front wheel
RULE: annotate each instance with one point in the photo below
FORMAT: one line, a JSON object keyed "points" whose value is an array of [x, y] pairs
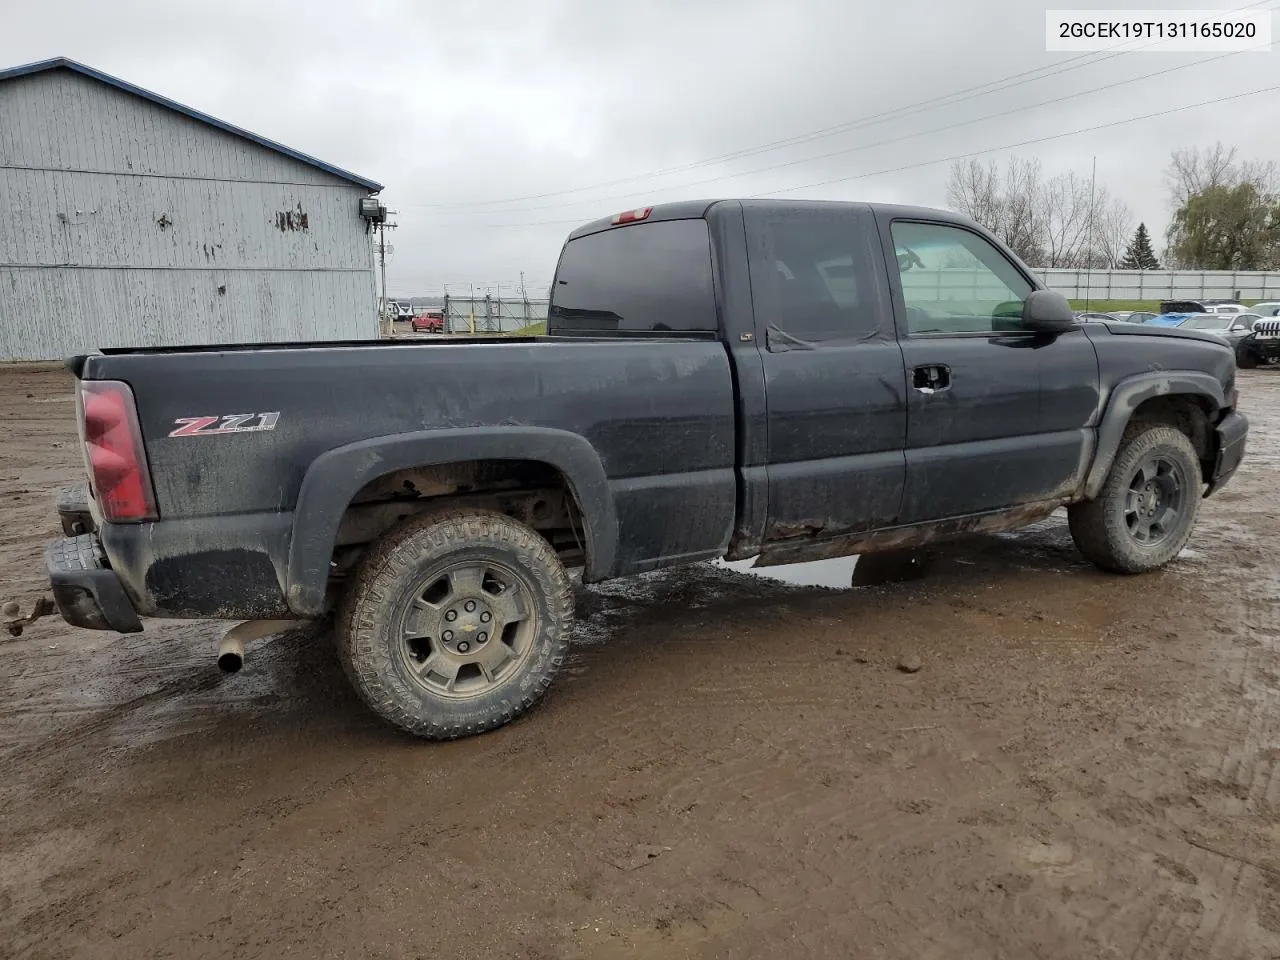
{"points": [[455, 623], [1143, 517]]}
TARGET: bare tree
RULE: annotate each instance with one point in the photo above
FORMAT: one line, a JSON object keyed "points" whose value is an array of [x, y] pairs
{"points": [[1193, 170], [1047, 223], [1066, 207], [1112, 226], [974, 189], [1024, 217], [1006, 205]]}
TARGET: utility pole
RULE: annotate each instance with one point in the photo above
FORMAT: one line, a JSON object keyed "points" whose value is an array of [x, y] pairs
{"points": [[387, 317]]}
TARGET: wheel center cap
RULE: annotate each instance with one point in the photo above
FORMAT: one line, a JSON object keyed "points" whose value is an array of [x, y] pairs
{"points": [[467, 626]]}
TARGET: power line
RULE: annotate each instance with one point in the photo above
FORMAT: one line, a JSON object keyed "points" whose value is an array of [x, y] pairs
{"points": [[969, 93], [1026, 143], [898, 139], [953, 157]]}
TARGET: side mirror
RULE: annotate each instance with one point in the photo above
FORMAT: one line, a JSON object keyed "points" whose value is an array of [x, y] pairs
{"points": [[1047, 311]]}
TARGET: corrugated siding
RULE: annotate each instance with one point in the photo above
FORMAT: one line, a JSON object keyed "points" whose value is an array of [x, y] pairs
{"points": [[1162, 284], [63, 120], [127, 224]]}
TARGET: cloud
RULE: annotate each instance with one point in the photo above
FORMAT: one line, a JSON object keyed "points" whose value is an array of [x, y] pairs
{"points": [[464, 110]]}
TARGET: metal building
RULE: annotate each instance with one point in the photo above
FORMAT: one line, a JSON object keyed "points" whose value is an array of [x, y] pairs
{"points": [[127, 219]]}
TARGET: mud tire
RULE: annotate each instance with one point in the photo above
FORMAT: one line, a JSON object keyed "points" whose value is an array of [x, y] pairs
{"points": [[369, 625], [1101, 528]]}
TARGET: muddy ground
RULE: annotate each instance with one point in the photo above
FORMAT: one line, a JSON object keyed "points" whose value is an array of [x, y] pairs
{"points": [[1085, 766]]}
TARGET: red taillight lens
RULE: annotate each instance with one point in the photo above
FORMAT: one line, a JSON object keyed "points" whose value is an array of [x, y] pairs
{"points": [[631, 216], [113, 448]]}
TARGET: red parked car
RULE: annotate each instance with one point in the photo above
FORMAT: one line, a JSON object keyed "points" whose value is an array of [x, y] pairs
{"points": [[429, 321]]}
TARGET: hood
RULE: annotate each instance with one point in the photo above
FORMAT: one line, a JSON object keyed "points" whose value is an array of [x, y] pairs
{"points": [[1121, 329]]}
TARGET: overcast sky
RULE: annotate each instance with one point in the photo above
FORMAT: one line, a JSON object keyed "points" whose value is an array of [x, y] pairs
{"points": [[497, 126]]}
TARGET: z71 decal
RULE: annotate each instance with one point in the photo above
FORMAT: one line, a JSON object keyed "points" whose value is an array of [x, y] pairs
{"points": [[218, 426]]}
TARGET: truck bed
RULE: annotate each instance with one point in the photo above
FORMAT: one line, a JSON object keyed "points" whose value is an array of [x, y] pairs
{"points": [[653, 418]]}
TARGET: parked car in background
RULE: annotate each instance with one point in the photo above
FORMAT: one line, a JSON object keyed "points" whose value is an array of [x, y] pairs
{"points": [[429, 321], [1132, 316], [1225, 306], [1202, 306], [1083, 315], [1235, 328], [1173, 318], [1268, 308], [1262, 345], [1182, 307]]}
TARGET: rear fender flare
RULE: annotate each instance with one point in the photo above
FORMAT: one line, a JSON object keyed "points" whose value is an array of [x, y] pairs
{"points": [[335, 477], [1129, 394]]}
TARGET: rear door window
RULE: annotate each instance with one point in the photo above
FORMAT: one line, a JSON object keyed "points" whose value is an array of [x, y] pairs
{"points": [[646, 279], [814, 277]]}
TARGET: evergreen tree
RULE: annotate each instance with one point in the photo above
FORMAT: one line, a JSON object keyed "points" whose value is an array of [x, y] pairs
{"points": [[1139, 255]]}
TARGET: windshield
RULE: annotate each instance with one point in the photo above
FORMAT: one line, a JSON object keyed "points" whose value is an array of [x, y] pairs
{"points": [[1210, 322]]}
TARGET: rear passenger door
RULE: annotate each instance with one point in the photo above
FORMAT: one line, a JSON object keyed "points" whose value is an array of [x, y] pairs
{"points": [[833, 369], [997, 415]]}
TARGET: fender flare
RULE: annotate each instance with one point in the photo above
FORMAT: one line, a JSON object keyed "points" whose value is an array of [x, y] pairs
{"points": [[335, 477], [1127, 396]]}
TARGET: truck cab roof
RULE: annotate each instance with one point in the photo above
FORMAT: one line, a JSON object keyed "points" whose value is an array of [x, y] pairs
{"points": [[691, 209]]}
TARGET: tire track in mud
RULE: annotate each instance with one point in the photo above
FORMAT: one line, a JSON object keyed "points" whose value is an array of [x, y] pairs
{"points": [[165, 661], [1237, 790]]}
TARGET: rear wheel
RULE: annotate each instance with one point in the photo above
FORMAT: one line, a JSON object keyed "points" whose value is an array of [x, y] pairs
{"points": [[456, 623], [1144, 515]]}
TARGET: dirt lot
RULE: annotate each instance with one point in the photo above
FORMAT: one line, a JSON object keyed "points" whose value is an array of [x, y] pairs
{"points": [[1085, 766]]}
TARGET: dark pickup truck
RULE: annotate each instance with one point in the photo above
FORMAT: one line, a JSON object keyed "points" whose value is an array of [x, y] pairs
{"points": [[786, 381]]}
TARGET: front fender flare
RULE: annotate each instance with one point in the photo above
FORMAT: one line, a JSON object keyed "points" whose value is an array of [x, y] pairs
{"points": [[335, 477], [1129, 394]]}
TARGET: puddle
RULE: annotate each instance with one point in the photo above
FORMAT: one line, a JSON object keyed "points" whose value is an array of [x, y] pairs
{"points": [[835, 574]]}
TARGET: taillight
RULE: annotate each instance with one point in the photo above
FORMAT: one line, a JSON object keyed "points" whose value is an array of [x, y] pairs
{"points": [[631, 216], [113, 448]]}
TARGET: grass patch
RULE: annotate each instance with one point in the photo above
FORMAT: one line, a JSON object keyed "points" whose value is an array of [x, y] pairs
{"points": [[1106, 306], [532, 330], [1150, 306]]}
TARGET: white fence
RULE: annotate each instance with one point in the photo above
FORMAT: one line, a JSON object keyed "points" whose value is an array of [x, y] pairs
{"points": [[1162, 284]]}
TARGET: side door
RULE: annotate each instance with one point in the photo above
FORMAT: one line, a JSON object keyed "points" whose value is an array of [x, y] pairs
{"points": [[997, 415], [834, 382]]}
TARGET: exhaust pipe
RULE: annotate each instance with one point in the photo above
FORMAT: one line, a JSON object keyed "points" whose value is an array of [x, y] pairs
{"points": [[231, 650], [230, 654]]}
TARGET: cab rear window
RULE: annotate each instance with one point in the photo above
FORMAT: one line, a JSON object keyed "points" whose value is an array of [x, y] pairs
{"points": [[643, 280]]}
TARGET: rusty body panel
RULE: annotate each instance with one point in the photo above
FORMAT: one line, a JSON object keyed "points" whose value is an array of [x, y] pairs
{"points": [[803, 547]]}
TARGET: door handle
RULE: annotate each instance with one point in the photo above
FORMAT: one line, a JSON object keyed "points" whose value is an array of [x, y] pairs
{"points": [[931, 378]]}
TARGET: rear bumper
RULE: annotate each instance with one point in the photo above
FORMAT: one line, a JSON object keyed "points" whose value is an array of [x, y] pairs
{"points": [[1229, 444], [74, 513], [104, 577], [86, 591]]}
